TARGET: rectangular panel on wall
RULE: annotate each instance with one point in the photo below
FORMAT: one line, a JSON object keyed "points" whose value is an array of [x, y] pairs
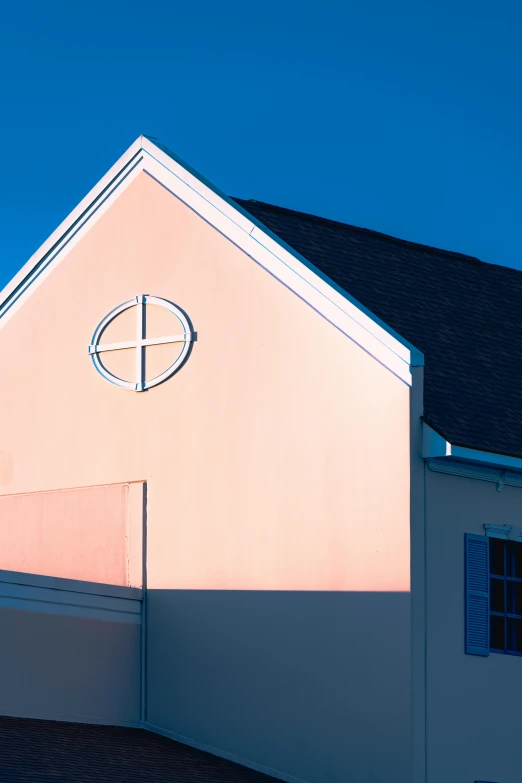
{"points": [[477, 594], [93, 534]]}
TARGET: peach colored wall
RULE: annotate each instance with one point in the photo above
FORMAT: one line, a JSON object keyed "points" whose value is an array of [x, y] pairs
{"points": [[277, 458], [92, 533]]}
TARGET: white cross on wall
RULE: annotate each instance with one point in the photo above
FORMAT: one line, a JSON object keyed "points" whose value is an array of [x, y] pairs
{"points": [[141, 341]]}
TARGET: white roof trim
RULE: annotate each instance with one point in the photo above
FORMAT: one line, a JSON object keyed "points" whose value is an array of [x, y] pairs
{"points": [[53, 595], [244, 231], [435, 445]]}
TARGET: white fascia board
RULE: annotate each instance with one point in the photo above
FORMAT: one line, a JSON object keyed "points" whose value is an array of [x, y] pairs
{"points": [[64, 238], [435, 445], [83, 207], [284, 264], [358, 312], [70, 585], [266, 249]]}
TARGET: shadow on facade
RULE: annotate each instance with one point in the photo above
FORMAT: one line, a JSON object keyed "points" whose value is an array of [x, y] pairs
{"points": [[311, 684]]}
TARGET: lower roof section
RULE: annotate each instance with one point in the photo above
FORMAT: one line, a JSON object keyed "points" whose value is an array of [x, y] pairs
{"points": [[35, 751]]}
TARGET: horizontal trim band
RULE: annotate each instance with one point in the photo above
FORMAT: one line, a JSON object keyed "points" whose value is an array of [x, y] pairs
{"points": [[62, 607], [70, 585], [480, 472], [73, 604]]}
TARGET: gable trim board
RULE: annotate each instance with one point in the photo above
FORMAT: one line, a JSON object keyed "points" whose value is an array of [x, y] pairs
{"points": [[287, 266], [436, 447]]}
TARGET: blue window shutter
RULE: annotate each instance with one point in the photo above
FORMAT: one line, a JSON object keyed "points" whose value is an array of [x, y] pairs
{"points": [[477, 594]]}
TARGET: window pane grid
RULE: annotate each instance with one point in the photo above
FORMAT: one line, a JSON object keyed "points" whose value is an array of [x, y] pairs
{"points": [[506, 652], [505, 580], [507, 614]]}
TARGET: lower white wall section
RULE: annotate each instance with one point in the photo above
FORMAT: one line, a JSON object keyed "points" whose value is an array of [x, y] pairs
{"points": [[313, 686], [474, 720], [307, 686], [69, 650]]}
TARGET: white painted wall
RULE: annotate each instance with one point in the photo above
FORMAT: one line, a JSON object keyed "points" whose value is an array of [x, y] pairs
{"points": [[277, 464], [69, 650], [314, 686], [474, 717]]}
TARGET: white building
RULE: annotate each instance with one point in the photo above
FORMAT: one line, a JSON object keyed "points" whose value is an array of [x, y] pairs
{"points": [[259, 478]]}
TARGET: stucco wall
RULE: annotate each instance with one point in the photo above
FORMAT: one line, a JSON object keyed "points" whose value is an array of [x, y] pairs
{"points": [[473, 712], [89, 533], [277, 459]]}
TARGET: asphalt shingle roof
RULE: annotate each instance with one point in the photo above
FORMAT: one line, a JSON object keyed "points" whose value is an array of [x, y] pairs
{"points": [[463, 314], [41, 751]]}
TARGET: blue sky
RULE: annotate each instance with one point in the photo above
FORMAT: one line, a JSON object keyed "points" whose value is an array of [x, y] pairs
{"points": [[404, 117]]}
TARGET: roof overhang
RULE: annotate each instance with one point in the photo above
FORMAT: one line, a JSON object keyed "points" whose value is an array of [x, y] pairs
{"points": [[291, 269], [435, 446]]}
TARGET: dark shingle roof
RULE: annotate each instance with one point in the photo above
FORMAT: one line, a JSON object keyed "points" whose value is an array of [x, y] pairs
{"points": [[40, 751], [463, 314]]}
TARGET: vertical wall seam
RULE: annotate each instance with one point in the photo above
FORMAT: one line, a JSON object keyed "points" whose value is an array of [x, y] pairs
{"points": [[143, 651], [425, 517], [418, 574], [126, 517]]}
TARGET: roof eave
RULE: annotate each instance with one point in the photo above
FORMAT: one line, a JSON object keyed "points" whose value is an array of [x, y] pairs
{"points": [[435, 446]]}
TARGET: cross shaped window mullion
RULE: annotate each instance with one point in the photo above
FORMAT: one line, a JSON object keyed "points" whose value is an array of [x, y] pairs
{"points": [[141, 341], [140, 347]]}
